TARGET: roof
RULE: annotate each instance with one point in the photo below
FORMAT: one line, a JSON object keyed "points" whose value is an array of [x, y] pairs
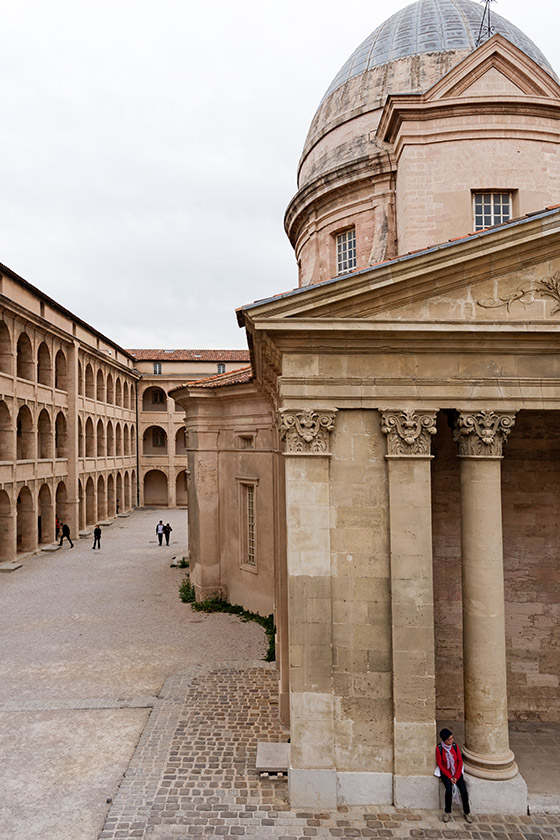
{"points": [[234, 377], [190, 355], [430, 26], [548, 211]]}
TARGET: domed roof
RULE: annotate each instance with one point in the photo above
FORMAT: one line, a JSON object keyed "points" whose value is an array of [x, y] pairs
{"points": [[408, 53], [431, 26]]}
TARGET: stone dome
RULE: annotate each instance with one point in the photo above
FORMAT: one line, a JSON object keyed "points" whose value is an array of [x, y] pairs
{"points": [[407, 54]]}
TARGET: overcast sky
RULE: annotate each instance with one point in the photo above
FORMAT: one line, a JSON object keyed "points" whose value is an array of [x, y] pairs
{"points": [[148, 150]]}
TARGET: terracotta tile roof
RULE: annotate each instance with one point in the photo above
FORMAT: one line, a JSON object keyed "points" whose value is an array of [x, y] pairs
{"points": [[190, 355], [234, 377]]}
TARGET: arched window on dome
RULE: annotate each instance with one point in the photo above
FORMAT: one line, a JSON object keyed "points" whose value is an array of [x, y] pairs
{"points": [[346, 251]]}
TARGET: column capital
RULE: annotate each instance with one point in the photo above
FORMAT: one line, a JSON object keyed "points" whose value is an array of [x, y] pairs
{"points": [[408, 431], [482, 433], [306, 431]]}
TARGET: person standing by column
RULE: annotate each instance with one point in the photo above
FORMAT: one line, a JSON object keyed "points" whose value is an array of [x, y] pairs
{"points": [[159, 531], [167, 531], [96, 537], [450, 763], [66, 533]]}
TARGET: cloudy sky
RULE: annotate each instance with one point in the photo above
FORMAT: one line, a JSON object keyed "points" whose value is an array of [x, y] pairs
{"points": [[148, 150]]}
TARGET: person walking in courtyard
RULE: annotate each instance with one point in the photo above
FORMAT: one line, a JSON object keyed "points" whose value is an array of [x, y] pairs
{"points": [[450, 764], [66, 533], [159, 531], [96, 537], [167, 531]]}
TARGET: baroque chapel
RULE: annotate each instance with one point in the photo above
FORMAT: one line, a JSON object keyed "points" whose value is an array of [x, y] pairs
{"points": [[386, 474]]}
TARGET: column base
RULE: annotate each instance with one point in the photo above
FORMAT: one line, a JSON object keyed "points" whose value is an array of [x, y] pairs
{"points": [[416, 792], [328, 789], [494, 768], [491, 797]]}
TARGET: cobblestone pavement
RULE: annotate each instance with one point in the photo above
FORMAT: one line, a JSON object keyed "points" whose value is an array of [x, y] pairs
{"points": [[193, 775]]}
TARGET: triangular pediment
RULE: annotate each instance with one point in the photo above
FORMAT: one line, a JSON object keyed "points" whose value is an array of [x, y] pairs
{"points": [[497, 68], [511, 274]]}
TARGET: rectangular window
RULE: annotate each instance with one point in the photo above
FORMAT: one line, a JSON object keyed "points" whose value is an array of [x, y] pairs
{"points": [[491, 208], [248, 524], [346, 251], [158, 437], [157, 368], [157, 397], [221, 367], [245, 441]]}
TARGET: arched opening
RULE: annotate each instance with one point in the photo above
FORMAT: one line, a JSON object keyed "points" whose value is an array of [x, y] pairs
{"points": [[81, 506], [6, 525], [126, 491], [100, 439], [126, 440], [133, 489], [6, 433], [118, 439], [126, 403], [61, 503], [101, 499], [44, 365], [44, 436], [110, 389], [25, 435], [110, 495], [155, 488], [90, 442], [5, 349], [181, 441], [133, 440], [80, 378], [181, 496], [118, 391], [61, 436], [24, 358], [154, 399], [119, 502], [26, 533], [80, 438], [154, 441], [100, 386], [90, 502], [60, 372], [90, 391], [110, 439], [45, 516], [132, 395]]}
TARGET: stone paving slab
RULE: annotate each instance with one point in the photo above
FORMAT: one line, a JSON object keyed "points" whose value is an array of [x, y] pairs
{"points": [[194, 775]]}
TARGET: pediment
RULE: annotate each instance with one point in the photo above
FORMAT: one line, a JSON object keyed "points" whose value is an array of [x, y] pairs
{"points": [[511, 274], [497, 68]]}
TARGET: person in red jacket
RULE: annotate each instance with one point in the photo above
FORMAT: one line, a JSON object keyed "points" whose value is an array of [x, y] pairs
{"points": [[450, 763]]}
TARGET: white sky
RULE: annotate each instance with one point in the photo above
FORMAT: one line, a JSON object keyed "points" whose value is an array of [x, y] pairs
{"points": [[148, 150]]}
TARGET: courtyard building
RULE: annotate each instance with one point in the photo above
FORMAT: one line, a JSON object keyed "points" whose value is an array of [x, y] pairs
{"points": [[394, 446]]}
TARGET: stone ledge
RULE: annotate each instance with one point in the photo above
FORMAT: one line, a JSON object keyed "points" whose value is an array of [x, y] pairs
{"points": [[10, 567]]}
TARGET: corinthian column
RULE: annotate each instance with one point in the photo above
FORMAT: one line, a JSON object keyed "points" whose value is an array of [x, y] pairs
{"points": [[410, 522], [306, 442], [480, 437]]}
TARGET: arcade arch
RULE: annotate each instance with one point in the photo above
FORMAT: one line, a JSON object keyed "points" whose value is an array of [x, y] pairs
{"points": [[45, 516], [6, 433], [24, 357], [154, 441], [100, 439], [44, 365], [5, 349], [181, 498], [155, 488], [90, 439], [44, 436], [60, 372], [61, 436], [89, 386], [6, 526], [25, 435], [100, 387], [25, 519]]}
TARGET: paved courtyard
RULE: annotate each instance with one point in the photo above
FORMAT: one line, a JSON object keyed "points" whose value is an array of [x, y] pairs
{"points": [[112, 689]]}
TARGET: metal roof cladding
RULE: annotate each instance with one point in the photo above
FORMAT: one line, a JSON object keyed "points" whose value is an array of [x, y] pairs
{"points": [[429, 26]]}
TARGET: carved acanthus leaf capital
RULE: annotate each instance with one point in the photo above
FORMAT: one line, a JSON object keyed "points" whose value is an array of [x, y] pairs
{"points": [[306, 432], [482, 433], [408, 431]]}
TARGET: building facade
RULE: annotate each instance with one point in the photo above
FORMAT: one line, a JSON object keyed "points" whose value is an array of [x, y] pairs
{"points": [[415, 401]]}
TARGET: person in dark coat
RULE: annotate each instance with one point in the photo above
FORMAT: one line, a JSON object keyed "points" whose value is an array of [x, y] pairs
{"points": [[66, 533], [450, 764], [166, 532], [96, 537]]}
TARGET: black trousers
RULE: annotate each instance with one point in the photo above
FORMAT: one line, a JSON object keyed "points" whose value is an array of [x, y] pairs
{"points": [[449, 793], [97, 542], [65, 537]]}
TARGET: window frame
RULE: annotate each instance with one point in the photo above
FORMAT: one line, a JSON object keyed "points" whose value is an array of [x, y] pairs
{"points": [[221, 367], [345, 251], [157, 368], [493, 216], [248, 532]]}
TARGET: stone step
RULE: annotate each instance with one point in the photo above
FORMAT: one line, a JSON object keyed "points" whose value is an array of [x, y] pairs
{"points": [[50, 547], [273, 757], [10, 567]]}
